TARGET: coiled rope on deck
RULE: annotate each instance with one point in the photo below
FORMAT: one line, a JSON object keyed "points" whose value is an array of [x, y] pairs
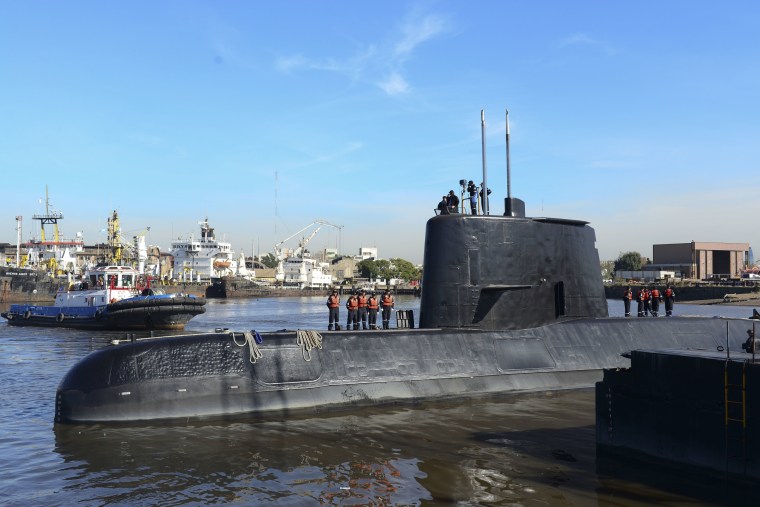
{"points": [[307, 339], [252, 338]]}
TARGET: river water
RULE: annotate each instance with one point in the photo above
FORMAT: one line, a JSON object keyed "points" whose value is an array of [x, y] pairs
{"points": [[516, 450]]}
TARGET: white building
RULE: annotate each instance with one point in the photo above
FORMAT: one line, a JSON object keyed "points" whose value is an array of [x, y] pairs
{"points": [[366, 252]]}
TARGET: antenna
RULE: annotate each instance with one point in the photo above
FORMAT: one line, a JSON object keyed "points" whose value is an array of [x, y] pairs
{"points": [[484, 190], [513, 207], [509, 171]]}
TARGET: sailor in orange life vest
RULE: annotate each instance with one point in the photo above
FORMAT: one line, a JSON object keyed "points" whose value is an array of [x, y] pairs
{"points": [[372, 307], [362, 299], [656, 298], [627, 297], [670, 297], [333, 305], [387, 301], [353, 309], [647, 301], [640, 297]]}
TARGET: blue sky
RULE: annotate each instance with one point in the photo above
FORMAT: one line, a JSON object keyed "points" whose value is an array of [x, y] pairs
{"points": [[639, 117]]}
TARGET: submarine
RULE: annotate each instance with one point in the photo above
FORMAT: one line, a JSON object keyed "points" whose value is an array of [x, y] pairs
{"points": [[509, 303]]}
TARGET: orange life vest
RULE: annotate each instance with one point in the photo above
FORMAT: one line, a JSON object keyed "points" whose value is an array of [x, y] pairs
{"points": [[387, 300], [668, 293], [333, 301], [372, 303], [352, 303], [628, 295], [362, 301], [655, 294]]}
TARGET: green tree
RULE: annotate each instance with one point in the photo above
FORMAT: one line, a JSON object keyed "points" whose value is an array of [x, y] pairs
{"points": [[405, 270], [269, 260], [368, 268], [393, 268], [628, 261]]}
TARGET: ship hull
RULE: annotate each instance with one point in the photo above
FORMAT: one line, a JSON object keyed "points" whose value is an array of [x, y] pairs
{"points": [[212, 375], [27, 285], [138, 313]]}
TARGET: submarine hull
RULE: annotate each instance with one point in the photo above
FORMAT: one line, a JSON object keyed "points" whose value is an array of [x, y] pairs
{"points": [[215, 375]]}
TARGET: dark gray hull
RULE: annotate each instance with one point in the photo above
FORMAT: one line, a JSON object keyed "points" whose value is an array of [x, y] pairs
{"points": [[21, 285], [695, 411], [209, 375]]}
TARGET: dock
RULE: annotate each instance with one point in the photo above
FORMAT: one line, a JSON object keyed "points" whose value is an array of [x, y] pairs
{"points": [[694, 409]]}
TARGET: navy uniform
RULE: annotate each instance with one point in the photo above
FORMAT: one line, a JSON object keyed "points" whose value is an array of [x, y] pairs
{"points": [[353, 309], [627, 297], [372, 306], [333, 306], [670, 298], [388, 303], [362, 299]]}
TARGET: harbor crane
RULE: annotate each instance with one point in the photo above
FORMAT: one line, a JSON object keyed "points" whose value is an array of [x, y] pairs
{"points": [[281, 254], [297, 255]]}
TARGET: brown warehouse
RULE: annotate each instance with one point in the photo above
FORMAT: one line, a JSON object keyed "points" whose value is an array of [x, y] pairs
{"points": [[703, 259]]}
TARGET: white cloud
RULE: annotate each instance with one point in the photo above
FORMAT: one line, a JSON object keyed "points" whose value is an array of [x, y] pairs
{"points": [[394, 84], [583, 39], [416, 31], [381, 64], [290, 63]]}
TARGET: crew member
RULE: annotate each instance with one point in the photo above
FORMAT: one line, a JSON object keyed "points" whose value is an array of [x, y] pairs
{"points": [[333, 306], [647, 302], [627, 297], [362, 300], [473, 191], [387, 302], [749, 345], [372, 307], [484, 202], [353, 308], [640, 296], [656, 298], [443, 206], [670, 298], [453, 202]]}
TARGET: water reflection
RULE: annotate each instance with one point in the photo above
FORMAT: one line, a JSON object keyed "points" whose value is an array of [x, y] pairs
{"points": [[516, 450]]}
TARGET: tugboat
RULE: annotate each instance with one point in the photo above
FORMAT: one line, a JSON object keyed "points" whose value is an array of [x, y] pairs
{"points": [[109, 297], [517, 306]]}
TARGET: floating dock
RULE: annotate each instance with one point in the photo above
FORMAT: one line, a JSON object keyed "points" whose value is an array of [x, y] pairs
{"points": [[687, 408]]}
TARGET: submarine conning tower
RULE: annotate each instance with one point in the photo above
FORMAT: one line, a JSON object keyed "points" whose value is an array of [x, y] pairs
{"points": [[509, 272]]}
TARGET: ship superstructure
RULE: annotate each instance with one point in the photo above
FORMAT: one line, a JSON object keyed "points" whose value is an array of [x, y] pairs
{"points": [[204, 258]]}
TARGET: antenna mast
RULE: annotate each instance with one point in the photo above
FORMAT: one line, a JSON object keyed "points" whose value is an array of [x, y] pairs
{"points": [[513, 207], [484, 190]]}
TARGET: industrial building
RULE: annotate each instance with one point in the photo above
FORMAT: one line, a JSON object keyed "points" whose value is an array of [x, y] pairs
{"points": [[702, 260]]}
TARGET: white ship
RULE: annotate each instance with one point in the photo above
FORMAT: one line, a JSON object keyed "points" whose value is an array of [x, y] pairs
{"points": [[297, 268], [303, 272], [204, 258]]}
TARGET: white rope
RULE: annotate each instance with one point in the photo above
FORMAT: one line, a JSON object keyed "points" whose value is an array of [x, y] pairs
{"points": [[308, 339], [253, 349]]}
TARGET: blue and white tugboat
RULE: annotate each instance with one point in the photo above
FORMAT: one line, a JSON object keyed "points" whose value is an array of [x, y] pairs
{"points": [[110, 297]]}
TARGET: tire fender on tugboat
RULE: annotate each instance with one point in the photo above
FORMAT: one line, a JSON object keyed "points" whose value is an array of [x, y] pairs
{"points": [[27, 314], [59, 318]]}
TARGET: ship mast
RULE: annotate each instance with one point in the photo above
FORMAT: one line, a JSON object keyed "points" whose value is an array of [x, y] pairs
{"points": [[50, 217], [484, 190], [19, 219], [114, 238]]}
